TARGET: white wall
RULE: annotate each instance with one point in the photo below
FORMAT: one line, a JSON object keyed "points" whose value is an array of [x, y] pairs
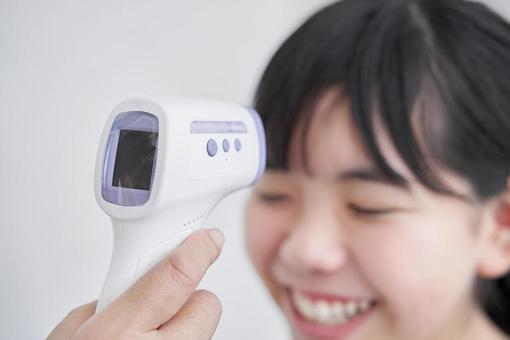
{"points": [[63, 66]]}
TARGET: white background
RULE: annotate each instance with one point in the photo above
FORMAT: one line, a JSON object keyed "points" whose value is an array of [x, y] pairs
{"points": [[63, 66]]}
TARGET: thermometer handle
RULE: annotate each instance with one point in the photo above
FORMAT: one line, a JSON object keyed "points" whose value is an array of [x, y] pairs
{"points": [[133, 255]]}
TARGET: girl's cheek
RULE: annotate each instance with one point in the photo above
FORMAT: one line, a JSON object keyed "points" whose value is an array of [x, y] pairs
{"points": [[414, 266], [266, 227]]}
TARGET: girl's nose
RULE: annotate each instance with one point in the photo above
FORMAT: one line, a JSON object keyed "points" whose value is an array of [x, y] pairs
{"points": [[314, 245]]}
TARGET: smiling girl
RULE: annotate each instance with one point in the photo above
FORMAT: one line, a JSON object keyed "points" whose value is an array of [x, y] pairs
{"points": [[385, 210]]}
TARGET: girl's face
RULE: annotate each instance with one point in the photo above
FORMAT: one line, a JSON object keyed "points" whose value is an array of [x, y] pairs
{"points": [[347, 254]]}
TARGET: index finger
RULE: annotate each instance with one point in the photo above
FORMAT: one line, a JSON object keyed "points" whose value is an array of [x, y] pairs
{"points": [[161, 292]]}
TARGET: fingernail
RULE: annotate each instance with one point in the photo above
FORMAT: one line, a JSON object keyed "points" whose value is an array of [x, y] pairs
{"points": [[217, 236]]}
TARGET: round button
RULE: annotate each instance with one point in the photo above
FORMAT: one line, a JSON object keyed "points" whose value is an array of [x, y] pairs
{"points": [[237, 144], [226, 145], [212, 147]]}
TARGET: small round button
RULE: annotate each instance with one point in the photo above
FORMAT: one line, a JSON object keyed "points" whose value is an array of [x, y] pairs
{"points": [[226, 145], [237, 144], [212, 147]]}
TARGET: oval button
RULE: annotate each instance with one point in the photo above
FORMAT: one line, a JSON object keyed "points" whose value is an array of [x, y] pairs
{"points": [[237, 144], [226, 145], [212, 147]]}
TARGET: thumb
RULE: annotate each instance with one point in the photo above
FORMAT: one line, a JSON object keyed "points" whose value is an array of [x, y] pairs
{"points": [[72, 322]]}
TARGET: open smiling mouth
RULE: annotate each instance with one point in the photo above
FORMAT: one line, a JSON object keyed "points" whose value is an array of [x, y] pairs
{"points": [[328, 316]]}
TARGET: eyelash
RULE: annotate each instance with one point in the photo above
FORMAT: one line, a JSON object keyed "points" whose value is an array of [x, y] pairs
{"points": [[273, 198], [368, 211]]}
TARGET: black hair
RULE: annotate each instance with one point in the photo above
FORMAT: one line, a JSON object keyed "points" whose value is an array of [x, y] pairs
{"points": [[445, 63]]}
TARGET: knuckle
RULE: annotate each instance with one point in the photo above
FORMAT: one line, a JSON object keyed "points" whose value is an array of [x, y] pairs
{"points": [[178, 272]]}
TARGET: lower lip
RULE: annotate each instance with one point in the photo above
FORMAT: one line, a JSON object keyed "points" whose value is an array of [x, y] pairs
{"points": [[316, 330]]}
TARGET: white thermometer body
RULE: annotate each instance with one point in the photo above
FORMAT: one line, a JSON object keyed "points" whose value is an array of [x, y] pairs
{"points": [[162, 166]]}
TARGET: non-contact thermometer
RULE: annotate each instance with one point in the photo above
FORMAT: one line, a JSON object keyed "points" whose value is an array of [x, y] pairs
{"points": [[162, 166]]}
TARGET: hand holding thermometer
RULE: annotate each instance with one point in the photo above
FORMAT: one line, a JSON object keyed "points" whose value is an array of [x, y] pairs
{"points": [[162, 166]]}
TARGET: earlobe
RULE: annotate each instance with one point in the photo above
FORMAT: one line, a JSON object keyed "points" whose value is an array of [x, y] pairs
{"points": [[503, 214], [495, 261]]}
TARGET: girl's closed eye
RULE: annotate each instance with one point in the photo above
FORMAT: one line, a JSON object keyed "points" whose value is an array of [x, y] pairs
{"points": [[276, 188], [361, 209], [273, 197], [367, 210], [374, 201]]}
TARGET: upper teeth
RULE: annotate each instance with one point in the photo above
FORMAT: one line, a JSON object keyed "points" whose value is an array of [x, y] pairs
{"points": [[329, 313]]}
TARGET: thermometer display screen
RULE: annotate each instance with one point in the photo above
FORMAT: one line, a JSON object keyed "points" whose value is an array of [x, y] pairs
{"points": [[134, 161]]}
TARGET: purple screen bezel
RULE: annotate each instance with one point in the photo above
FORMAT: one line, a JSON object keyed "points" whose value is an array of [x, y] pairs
{"points": [[135, 121]]}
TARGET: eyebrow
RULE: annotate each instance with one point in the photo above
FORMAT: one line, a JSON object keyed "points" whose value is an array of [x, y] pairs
{"points": [[373, 175]]}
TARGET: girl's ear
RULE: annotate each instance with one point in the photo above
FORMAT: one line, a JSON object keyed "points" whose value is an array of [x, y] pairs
{"points": [[495, 260]]}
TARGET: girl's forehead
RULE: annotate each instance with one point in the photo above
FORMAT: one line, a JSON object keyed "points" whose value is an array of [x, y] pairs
{"points": [[332, 146], [329, 142]]}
